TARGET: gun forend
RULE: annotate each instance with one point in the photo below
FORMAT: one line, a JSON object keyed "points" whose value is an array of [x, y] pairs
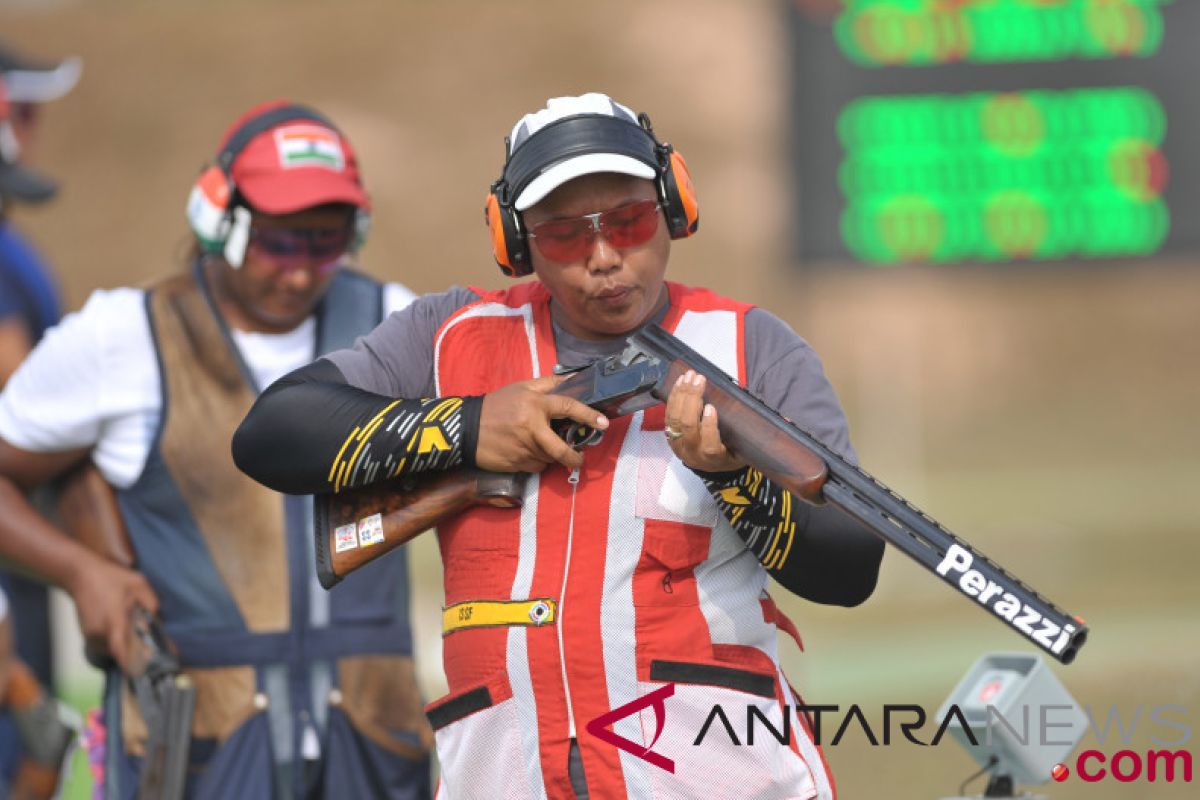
{"points": [[749, 427]]}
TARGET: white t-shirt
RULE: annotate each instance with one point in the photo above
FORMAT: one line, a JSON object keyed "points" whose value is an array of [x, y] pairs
{"points": [[93, 380]]}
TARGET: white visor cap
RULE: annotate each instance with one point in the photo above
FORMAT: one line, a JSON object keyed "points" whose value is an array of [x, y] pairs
{"points": [[587, 164]]}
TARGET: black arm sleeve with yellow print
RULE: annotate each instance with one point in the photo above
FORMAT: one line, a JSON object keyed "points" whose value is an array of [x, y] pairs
{"points": [[817, 552], [402, 437], [336, 436]]}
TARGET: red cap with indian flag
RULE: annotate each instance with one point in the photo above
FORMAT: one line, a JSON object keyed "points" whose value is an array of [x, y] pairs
{"points": [[295, 165]]}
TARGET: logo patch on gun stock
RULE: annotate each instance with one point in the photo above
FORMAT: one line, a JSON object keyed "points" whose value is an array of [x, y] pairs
{"points": [[370, 530], [345, 537]]}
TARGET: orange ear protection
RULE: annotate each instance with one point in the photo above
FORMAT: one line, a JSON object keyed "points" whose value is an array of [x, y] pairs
{"points": [[580, 135]]}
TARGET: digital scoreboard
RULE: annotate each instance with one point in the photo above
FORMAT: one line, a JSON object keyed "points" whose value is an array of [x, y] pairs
{"points": [[974, 131]]}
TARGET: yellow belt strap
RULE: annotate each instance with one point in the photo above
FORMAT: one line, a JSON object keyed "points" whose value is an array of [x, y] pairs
{"points": [[494, 613]]}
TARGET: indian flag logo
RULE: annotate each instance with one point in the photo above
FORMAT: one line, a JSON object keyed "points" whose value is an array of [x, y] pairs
{"points": [[309, 146]]}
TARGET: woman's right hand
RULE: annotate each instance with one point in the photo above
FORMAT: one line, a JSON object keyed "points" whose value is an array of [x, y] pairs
{"points": [[514, 427]]}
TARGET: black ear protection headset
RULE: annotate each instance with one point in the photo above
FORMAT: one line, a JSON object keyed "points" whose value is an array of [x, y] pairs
{"points": [[220, 222], [573, 136]]}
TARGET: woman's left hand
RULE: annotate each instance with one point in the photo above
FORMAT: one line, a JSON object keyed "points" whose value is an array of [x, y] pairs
{"points": [[691, 427]]}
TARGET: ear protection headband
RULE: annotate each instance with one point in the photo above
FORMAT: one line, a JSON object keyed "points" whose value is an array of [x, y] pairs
{"points": [[221, 224], [575, 136]]}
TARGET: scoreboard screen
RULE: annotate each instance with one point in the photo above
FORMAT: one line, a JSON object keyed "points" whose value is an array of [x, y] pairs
{"points": [[969, 131]]}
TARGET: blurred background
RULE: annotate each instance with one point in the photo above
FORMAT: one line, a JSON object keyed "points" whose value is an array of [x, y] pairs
{"points": [[982, 214]]}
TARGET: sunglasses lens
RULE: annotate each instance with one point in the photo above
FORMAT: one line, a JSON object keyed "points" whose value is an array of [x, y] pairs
{"points": [[564, 240], [567, 240], [329, 243], [296, 248], [630, 225]]}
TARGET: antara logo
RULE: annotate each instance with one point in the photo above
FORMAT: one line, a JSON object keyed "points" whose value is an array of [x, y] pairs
{"points": [[600, 726]]}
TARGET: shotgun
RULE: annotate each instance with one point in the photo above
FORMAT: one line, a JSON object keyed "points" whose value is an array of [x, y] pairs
{"points": [[785, 453], [87, 509]]}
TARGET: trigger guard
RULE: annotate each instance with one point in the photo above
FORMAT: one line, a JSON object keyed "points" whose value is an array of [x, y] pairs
{"points": [[580, 436]]}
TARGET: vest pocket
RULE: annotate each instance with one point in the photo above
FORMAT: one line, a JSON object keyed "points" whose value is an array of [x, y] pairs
{"points": [[479, 742], [665, 574], [243, 765], [452, 709], [379, 697], [739, 680], [356, 766], [458, 705]]}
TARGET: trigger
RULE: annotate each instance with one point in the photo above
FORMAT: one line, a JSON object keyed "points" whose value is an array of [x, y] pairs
{"points": [[579, 436]]}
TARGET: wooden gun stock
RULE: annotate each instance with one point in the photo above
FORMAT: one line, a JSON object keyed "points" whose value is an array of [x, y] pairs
{"points": [[758, 439], [357, 526]]}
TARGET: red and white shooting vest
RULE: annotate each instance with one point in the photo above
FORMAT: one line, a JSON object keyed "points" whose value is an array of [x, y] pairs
{"points": [[618, 582]]}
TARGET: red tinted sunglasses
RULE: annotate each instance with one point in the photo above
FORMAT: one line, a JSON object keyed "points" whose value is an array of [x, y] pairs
{"points": [[567, 240], [301, 248]]}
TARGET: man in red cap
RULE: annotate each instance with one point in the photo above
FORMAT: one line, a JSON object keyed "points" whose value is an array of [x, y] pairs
{"points": [[298, 691]]}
